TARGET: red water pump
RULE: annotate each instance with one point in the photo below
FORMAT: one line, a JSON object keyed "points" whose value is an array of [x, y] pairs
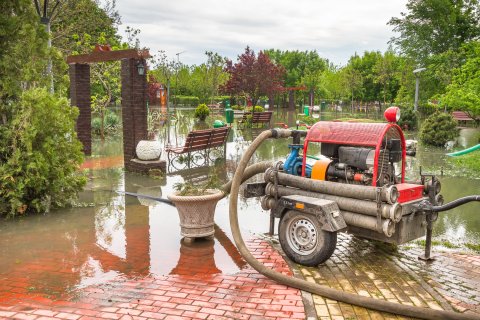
{"points": [[348, 177]]}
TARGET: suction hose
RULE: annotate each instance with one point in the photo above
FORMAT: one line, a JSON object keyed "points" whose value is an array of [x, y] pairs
{"points": [[375, 304]]}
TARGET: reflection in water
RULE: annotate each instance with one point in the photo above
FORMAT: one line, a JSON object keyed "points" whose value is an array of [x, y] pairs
{"points": [[113, 236], [196, 258]]}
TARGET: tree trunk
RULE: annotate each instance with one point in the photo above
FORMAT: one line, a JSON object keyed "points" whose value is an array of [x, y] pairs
{"points": [[102, 126], [291, 100]]}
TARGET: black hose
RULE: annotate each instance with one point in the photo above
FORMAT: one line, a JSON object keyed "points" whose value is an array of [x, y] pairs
{"points": [[455, 203], [250, 171], [147, 197]]}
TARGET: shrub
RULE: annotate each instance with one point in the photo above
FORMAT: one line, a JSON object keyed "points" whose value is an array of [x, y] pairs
{"points": [[185, 100], [39, 154], [202, 112], [408, 119], [112, 121], [257, 109], [438, 129], [237, 107]]}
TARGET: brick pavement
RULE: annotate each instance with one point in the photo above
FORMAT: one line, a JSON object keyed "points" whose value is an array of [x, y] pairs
{"points": [[395, 274], [358, 266], [243, 295]]}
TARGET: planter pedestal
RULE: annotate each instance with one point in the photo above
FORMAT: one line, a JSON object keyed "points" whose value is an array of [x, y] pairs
{"points": [[197, 213]]}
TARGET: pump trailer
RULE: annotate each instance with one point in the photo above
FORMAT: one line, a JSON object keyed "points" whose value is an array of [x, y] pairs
{"points": [[354, 183]]}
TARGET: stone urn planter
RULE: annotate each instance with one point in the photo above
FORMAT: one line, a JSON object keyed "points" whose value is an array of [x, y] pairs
{"points": [[148, 150], [197, 212]]}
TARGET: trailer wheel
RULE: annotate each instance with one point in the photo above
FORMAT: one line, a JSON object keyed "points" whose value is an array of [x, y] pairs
{"points": [[303, 240]]}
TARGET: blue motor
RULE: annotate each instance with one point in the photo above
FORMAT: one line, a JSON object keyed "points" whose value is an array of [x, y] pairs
{"points": [[293, 163]]}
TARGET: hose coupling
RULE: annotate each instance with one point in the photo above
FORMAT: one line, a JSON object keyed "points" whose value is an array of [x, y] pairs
{"points": [[281, 133]]}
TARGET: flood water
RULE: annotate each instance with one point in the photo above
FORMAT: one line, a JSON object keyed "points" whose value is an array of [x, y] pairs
{"points": [[108, 235]]}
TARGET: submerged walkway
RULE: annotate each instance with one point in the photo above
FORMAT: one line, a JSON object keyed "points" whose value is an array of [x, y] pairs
{"points": [[452, 282], [243, 295]]}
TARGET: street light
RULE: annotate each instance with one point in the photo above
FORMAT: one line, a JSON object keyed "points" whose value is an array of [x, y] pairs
{"points": [[417, 83], [176, 76]]}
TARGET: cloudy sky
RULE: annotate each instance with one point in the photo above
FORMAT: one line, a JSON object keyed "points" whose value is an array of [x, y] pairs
{"points": [[335, 28]]}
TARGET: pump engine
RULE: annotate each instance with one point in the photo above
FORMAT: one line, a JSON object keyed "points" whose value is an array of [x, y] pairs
{"points": [[354, 153], [352, 164]]}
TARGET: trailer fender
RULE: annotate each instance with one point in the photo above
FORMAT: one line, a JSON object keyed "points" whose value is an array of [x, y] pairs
{"points": [[326, 211]]}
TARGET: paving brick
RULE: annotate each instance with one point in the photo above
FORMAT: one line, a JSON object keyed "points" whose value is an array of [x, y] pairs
{"points": [[68, 316]]}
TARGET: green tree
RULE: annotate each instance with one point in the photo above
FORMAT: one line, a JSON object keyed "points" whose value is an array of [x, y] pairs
{"points": [[23, 50], [215, 65], [302, 68], [385, 74], [39, 151], [464, 91], [164, 69], [353, 82], [430, 35], [431, 27]]}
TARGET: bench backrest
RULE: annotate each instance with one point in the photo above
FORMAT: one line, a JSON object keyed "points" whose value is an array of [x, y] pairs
{"points": [[262, 116], [461, 115], [258, 116], [204, 139]]}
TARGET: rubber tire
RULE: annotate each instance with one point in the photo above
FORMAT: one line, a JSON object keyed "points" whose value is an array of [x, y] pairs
{"points": [[325, 246]]}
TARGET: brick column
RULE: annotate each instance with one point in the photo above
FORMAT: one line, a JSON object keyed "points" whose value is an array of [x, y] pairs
{"points": [[80, 97], [134, 107]]}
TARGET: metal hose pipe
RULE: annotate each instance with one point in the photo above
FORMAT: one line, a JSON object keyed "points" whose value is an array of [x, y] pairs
{"points": [[388, 211]]}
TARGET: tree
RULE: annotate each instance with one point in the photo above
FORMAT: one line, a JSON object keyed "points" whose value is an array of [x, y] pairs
{"points": [[464, 91], [385, 71], [39, 150], [253, 76], [431, 27], [164, 69], [353, 81], [23, 51], [215, 65], [302, 68]]}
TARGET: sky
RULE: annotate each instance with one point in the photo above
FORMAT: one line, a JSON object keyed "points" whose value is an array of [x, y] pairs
{"points": [[336, 29]]}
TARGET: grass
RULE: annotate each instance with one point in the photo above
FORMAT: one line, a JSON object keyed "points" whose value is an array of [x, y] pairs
{"points": [[473, 246], [443, 243], [470, 161]]}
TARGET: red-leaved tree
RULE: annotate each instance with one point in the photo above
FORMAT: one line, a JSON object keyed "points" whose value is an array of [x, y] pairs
{"points": [[253, 76]]}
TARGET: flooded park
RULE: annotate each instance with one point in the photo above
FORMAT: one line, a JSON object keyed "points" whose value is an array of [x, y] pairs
{"points": [[203, 160], [109, 237]]}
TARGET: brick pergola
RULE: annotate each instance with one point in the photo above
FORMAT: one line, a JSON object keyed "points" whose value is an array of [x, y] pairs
{"points": [[134, 100]]}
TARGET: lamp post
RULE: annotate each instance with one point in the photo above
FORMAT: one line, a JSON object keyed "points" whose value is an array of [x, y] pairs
{"points": [[46, 17], [176, 76], [417, 84]]}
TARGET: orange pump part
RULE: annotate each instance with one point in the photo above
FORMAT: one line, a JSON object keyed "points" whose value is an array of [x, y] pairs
{"points": [[319, 169]]}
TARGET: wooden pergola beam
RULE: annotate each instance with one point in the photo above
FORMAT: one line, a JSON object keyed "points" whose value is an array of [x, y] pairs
{"points": [[103, 56]]}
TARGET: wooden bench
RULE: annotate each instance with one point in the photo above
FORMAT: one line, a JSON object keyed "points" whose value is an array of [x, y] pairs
{"points": [[199, 141], [462, 116], [257, 117]]}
